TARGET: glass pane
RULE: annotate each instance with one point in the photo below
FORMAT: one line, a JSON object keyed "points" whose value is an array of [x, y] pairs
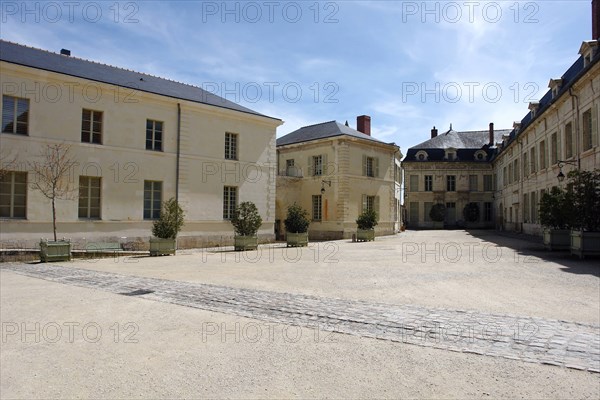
{"points": [[97, 116], [4, 211], [149, 124], [18, 212], [21, 128], [85, 136], [97, 138]]}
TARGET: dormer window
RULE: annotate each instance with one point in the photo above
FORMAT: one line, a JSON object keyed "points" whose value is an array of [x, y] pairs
{"points": [[480, 155], [533, 107], [555, 85], [517, 126], [587, 50], [451, 154], [422, 156]]}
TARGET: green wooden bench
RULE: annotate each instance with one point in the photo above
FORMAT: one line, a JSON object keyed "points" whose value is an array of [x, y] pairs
{"points": [[103, 247]]}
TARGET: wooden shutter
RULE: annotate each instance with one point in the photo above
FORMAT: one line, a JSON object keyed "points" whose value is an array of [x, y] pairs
{"points": [[376, 206], [324, 169], [364, 163], [309, 167], [364, 204], [376, 167]]}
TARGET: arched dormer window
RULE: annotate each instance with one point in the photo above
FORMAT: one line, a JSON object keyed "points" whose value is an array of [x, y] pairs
{"points": [[450, 154], [422, 156]]}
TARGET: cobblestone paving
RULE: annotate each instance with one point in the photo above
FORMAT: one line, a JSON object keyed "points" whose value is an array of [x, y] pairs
{"points": [[529, 339]]}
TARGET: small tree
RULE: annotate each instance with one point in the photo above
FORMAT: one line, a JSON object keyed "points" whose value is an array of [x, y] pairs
{"points": [[471, 212], [170, 222], [584, 187], [246, 220], [556, 209], [297, 219], [438, 212], [52, 175], [367, 220]]}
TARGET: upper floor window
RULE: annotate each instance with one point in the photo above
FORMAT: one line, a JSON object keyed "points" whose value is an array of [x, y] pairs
{"points": [[91, 126], [451, 155], [413, 183], [488, 183], [13, 194], [15, 115], [569, 140], [231, 146], [543, 154], [370, 166], [428, 183], [154, 135], [422, 155], [554, 156], [451, 183], [587, 129], [473, 183], [317, 165]]}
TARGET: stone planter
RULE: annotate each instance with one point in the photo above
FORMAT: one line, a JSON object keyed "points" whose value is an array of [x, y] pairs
{"points": [[55, 251], [585, 243], [365, 235], [557, 239], [243, 243], [297, 239], [161, 247]]}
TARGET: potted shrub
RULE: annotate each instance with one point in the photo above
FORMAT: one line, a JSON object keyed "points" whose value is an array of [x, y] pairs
{"points": [[584, 187], [166, 228], [52, 180], [438, 215], [366, 221], [296, 226], [246, 221], [471, 213], [555, 218]]}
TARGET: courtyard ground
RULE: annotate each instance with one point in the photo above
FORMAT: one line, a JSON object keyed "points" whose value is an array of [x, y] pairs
{"points": [[428, 314]]}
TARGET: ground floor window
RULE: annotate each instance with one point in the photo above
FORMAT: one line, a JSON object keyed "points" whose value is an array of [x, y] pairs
{"points": [[152, 199], [13, 194], [316, 208]]}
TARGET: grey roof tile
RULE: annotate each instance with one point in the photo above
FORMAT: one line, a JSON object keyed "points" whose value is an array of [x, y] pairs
{"points": [[77, 67], [321, 131]]}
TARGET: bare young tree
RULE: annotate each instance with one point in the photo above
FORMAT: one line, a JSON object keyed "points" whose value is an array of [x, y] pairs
{"points": [[52, 175], [7, 163]]}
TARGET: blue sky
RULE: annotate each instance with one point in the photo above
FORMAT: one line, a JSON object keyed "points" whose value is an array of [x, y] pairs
{"points": [[410, 65]]}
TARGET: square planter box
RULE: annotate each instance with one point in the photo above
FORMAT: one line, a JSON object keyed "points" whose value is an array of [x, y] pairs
{"points": [[297, 239], [557, 239], [585, 243], [55, 251], [365, 235], [243, 243], [161, 247]]}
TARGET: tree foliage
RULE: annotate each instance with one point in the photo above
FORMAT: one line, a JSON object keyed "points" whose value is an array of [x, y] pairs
{"points": [[246, 220], [170, 222], [367, 220], [297, 220]]}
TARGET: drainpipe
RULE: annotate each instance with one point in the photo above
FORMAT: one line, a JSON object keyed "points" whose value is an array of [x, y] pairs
{"points": [[178, 152]]}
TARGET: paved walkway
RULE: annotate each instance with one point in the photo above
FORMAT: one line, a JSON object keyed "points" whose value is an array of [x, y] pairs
{"points": [[536, 340]]}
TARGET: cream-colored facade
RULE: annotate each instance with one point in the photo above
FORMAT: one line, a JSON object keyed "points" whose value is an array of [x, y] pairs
{"points": [[563, 126], [338, 192], [191, 164]]}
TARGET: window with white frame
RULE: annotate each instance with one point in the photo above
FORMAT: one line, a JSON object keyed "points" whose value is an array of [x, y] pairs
{"points": [[569, 140], [15, 115], [231, 146], [13, 194], [413, 183], [451, 183], [91, 126], [230, 195], [154, 135], [317, 208], [473, 183], [370, 166], [317, 165], [587, 129], [89, 197], [554, 156], [152, 199], [429, 183]]}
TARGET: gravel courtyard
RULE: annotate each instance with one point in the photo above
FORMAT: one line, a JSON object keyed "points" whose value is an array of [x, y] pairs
{"points": [[442, 314]]}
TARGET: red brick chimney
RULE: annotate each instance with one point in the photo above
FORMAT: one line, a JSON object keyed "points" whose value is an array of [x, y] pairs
{"points": [[434, 132], [491, 141], [363, 124], [595, 19]]}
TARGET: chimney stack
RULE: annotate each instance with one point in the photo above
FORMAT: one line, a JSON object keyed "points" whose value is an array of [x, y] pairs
{"points": [[491, 141], [595, 19], [434, 132], [363, 124], [65, 52]]}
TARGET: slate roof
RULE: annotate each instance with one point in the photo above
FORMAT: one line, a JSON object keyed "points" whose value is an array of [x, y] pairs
{"points": [[466, 144], [322, 131], [81, 68], [572, 75]]}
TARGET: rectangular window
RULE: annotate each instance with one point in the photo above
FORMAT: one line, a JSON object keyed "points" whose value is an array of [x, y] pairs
{"points": [[427, 209], [231, 146], [317, 164], [487, 211], [525, 164], [370, 166], [370, 203], [316, 208], [568, 140], [554, 157], [533, 207], [89, 197], [13, 194], [533, 160], [152, 199], [543, 155], [488, 183], [526, 208], [516, 171], [414, 213], [473, 183], [451, 183], [15, 115], [510, 173], [587, 130], [229, 201], [429, 183], [91, 126], [154, 135], [414, 183]]}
